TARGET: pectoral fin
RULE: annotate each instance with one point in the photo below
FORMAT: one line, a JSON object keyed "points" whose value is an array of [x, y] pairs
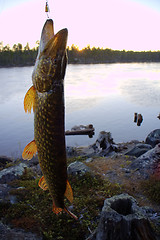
{"points": [[29, 100], [29, 151], [42, 183], [69, 192]]}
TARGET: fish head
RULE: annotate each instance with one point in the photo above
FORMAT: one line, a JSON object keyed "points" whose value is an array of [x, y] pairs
{"points": [[51, 60]]}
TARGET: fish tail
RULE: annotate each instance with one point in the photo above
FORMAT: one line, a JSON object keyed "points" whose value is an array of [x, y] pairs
{"points": [[57, 210], [71, 214]]}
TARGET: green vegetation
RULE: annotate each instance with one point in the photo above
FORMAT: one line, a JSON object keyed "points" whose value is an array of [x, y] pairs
{"points": [[24, 56], [33, 211], [17, 56], [151, 188], [98, 55]]}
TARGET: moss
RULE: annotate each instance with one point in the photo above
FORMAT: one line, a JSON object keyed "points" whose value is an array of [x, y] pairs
{"points": [[78, 158], [14, 163], [33, 212], [128, 162], [4, 206], [151, 188]]}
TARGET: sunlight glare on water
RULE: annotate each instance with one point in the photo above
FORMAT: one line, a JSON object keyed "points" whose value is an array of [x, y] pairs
{"points": [[105, 95]]}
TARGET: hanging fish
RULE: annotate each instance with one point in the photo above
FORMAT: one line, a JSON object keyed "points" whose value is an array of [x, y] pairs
{"points": [[46, 96]]}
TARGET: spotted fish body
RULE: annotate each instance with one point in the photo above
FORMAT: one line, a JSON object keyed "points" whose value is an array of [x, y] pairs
{"points": [[46, 96], [50, 141]]}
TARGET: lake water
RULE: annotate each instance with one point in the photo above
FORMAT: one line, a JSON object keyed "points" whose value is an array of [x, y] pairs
{"points": [[105, 95]]}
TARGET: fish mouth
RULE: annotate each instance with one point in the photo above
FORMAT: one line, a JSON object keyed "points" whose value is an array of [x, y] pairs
{"points": [[56, 46], [46, 35], [52, 58], [52, 45]]}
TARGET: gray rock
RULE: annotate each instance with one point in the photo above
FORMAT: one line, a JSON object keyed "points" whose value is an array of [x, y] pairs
{"points": [[86, 151], [5, 196], [88, 160], [71, 151], [122, 219], [9, 174], [138, 150], [77, 168], [7, 233], [147, 163], [153, 138]]}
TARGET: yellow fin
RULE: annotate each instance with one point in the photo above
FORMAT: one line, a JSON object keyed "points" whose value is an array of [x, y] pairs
{"points": [[71, 214], [69, 192], [42, 183], [29, 151], [29, 100]]}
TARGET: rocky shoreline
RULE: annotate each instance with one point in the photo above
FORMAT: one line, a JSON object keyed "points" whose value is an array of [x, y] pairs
{"points": [[128, 165]]}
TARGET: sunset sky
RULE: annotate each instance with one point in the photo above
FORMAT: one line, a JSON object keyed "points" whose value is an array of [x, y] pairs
{"points": [[115, 24]]}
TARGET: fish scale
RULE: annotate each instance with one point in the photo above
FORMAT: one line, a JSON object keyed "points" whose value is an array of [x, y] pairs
{"points": [[46, 96]]}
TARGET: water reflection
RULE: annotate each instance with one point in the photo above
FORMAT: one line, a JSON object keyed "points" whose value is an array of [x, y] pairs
{"points": [[105, 95], [13, 82], [74, 105], [143, 90]]}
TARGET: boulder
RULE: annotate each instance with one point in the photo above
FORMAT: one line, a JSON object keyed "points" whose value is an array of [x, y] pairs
{"points": [[148, 163], [16, 234], [5, 196], [9, 174], [153, 138], [138, 150], [77, 168], [122, 219]]}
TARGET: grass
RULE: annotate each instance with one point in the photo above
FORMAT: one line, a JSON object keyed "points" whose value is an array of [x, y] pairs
{"points": [[33, 212], [151, 188]]}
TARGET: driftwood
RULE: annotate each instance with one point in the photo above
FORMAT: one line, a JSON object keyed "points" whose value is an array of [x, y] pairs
{"points": [[81, 130], [158, 116], [135, 117], [138, 119], [122, 219]]}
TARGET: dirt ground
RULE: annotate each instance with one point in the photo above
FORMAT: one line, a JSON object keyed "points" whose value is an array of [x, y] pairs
{"points": [[116, 169]]}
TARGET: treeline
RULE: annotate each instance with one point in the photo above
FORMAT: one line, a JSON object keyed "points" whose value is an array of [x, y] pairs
{"points": [[98, 55], [24, 56], [17, 56]]}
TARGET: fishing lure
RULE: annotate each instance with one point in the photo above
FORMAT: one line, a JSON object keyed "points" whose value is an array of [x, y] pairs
{"points": [[47, 10]]}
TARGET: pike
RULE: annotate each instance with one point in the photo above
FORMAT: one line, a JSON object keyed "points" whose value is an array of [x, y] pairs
{"points": [[46, 97]]}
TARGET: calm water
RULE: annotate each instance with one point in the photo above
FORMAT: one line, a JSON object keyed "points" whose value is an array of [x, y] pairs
{"points": [[106, 95]]}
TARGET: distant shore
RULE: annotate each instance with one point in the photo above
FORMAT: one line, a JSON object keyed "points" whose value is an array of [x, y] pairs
{"points": [[19, 58], [74, 63]]}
